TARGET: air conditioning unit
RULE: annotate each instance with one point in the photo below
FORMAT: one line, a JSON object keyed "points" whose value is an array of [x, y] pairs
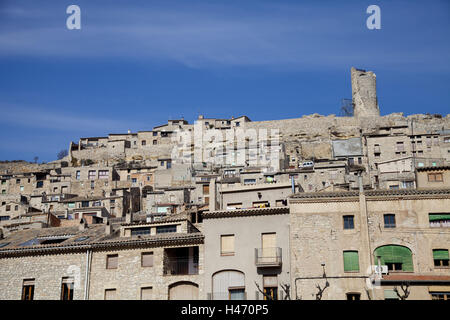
{"points": [[384, 269]]}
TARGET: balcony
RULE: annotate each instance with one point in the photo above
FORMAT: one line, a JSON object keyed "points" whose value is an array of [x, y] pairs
{"points": [[180, 266], [181, 261], [268, 257]]}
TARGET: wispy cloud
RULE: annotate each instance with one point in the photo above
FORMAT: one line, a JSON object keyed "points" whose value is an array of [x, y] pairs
{"points": [[286, 35], [58, 121]]}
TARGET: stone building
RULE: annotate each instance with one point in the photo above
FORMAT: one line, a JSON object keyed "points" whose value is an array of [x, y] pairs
{"points": [[339, 237], [101, 262]]}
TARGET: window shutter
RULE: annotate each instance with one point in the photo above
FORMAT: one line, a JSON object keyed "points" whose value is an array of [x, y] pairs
{"points": [[112, 261], [351, 261], [440, 254], [439, 216], [395, 254], [110, 294], [147, 293], [227, 245], [147, 259], [270, 281]]}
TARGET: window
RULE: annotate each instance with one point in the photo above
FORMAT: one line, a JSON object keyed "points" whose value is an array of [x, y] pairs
{"points": [[206, 189], [348, 222], [4, 218], [67, 288], [39, 184], [236, 293], [169, 164], [103, 174], [110, 294], [17, 181], [155, 133], [439, 220], [8, 208], [227, 245], [78, 175], [28, 289], [21, 188], [390, 294], [97, 204], [91, 175], [146, 293], [440, 257], [394, 187], [396, 258], [112, 261], [133, 180], [389, 220], [249, 181], [435, 177], [155, 142], [353, 296], [144, 142], [16, 208], [351, 261], [270, 284], [84, 204], [238, 124], [140, 231], [166, 229], [440, 295], [147, 259], [231, 206]]}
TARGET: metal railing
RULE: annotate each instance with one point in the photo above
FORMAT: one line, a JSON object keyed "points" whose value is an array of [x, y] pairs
{"points": [[268, 257], [180, 266], [227, 296]]}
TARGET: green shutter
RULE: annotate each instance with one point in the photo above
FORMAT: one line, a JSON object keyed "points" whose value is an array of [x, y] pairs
{"points": [[395, 254], [351, 261], [439, 216], [440, 254]]}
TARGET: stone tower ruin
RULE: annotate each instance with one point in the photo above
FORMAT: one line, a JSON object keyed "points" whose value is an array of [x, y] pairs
{"points": [[364, 93]]}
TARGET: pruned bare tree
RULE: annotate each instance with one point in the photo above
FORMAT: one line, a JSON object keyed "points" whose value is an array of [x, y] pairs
{"points": [[321, 290], [287, 291], [405, 288]]}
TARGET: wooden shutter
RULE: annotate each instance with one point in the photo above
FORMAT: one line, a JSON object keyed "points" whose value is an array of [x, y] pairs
{"points": [[227, 244], [396, 254], [270, 281], [147, 259], [147, 293], [440, 254], [112, 261], [110, 294], [183, 291], [351, 261]]}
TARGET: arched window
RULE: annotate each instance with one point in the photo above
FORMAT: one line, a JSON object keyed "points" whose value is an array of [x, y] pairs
{"points": [[228, 285], [183, 290], [397, 258]]}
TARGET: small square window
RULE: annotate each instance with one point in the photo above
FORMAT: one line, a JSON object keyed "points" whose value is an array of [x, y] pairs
{"points": [[349, 222], [112, 261]]}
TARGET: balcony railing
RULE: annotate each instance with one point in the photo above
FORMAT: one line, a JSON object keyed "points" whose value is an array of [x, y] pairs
{"points": [[180, 266], [237, 295], [268, 257]]}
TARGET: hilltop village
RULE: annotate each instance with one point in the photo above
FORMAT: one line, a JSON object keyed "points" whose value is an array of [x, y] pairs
{"points": [[318, 207]]}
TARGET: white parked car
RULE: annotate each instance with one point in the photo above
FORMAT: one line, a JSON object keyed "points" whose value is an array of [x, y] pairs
{"points": [[306, 164]]}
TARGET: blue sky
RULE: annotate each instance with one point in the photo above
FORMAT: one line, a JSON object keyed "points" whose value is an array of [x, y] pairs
{"points": [[135, 64]]}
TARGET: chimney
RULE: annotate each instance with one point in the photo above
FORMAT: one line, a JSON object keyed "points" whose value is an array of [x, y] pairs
{"points": [[83, 225], [108, 229], [129, 217], [360, 182]]}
